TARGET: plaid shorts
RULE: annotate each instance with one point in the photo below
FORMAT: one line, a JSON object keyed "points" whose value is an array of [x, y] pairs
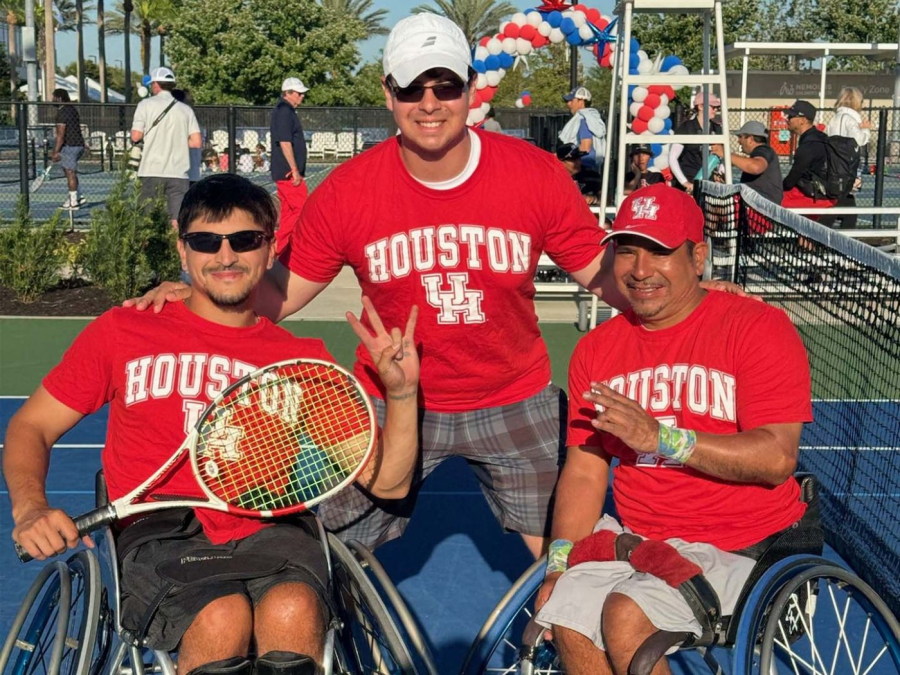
{"points": [[514, 450]]}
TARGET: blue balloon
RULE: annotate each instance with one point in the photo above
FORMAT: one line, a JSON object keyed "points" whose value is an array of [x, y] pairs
{"points": [[667, 125], [568, 26], [526, 93], [506, 60], [656, 148], [554, 18], [479, 66], [633, 71], [634, 60], [669, 62], [529, 11], [635, 46], [145, 80], [492, 62], [573, 39]]}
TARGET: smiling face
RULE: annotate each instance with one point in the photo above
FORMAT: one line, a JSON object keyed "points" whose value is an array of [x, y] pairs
{"points": [[661, 285]]}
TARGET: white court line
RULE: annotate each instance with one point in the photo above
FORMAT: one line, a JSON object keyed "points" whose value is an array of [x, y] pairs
{"points": [[873, 448], [73, 446]]}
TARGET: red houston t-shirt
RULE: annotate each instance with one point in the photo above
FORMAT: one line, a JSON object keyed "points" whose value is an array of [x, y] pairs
{"points": [[733, 365], [158, 372], [466, 256]]}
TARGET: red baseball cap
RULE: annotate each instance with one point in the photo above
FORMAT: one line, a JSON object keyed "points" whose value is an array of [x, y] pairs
{"points": [[661, 214]]}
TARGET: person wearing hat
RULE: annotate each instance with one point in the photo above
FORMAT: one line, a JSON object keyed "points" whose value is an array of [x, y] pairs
{"points": [[588, 180], [701, 397], [759, 164], [686, 161], [810, 160], [168, 130], [638, 174], [586, 129], [288, 163]]}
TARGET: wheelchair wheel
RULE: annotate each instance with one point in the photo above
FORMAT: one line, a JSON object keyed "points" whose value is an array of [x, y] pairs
{"points": [[813, 616], [55, 629], [498, 647], [369, 642], [395, 605]]}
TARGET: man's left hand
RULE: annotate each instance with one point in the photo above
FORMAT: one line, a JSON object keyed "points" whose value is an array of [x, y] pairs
{"points": [[727, 287], [394, 354], [623, 418]]}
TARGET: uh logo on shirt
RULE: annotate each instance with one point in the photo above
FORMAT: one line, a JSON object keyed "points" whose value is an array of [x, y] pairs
{"points": [[441, 256]]}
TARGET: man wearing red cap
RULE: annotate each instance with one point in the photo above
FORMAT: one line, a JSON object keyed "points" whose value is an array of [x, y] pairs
{"points": [[701, 397]]}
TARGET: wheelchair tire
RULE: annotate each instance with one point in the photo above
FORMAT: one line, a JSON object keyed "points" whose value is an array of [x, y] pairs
{"points": [[395, 605], [368, 641], [496, 648], [810, 615], [45, 640]]}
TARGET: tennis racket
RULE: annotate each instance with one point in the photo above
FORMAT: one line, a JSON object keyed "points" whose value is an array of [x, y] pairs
{"points": [[278, 441], [44, 175]]}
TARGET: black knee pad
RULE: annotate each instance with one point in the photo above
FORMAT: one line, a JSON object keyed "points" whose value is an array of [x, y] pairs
{"points": [[285, 663], [236, 665]]}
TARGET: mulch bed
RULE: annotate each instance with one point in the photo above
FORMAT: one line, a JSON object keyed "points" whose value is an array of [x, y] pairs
{"points": [[68, 299]]}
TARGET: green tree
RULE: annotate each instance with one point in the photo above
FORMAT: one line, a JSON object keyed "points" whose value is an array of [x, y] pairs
{"points": [[239, 51], [148, 18], [859, 21], [368, 84], [372, 19], [477, 18]]}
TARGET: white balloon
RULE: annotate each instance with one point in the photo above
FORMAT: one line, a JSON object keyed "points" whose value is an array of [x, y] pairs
{"points": [[679, 70], [585, 32], [612, 46], [493, 77], [509, 45], [494, 46], [535, 19], [481, 81], [519, 103], [544, 28], [519, 18], [635, 107], [644, 67], [647, 133], [642, 55], [579, 18], [475, 117], [143, 91], [503, 25], [556, 36], [523, 46], [639, 94], [485, 107], [663, 100], [655, 125], [662, 112], [661, 163], [481, 53]]}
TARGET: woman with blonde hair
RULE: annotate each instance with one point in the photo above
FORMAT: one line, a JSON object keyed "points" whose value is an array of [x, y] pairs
{"points": [[848, 122]]}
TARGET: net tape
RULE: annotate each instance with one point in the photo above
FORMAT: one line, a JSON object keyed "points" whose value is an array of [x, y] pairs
{"points": [[844, 298]]}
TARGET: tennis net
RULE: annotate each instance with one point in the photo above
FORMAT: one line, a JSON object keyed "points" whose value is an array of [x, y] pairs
{"points": [[844, 298]]}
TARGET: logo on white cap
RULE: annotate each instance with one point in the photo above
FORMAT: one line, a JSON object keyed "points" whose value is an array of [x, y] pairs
{"points": [[424, 41], [644, 208]]}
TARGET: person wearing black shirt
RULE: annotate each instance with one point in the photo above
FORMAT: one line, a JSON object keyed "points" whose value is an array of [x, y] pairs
{"points": [[588, 180], [288, 158], [69, 146], [638, 175], [685, 161], [809, 160], [759, 163]]}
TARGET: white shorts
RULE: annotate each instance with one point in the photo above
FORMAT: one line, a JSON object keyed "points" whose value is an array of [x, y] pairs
{"points": [[579, 595]]}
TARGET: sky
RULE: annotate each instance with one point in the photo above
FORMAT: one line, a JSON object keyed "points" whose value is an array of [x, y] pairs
{"points": [[397, 9]]}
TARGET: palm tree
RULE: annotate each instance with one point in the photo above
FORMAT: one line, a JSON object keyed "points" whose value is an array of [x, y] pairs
{"points": [[15, 12], [372, 19], [477, 18], [148, 18]]}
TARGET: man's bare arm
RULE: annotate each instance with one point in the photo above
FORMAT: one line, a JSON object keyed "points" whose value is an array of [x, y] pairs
{"points": [[195, 141], [136, 135], [282, 292], [580, 493]]}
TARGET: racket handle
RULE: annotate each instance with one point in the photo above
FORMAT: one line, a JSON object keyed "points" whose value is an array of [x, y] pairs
{"points": [[87, 523]]}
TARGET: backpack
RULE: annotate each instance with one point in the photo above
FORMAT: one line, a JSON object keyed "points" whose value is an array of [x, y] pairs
{"points": [[842, 160]]}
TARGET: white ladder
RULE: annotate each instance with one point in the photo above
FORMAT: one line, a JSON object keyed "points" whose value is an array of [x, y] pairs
{"points": [[622, 79]]}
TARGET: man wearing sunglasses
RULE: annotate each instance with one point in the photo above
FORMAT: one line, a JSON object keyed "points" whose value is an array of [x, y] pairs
{"points": [[687, 160]]}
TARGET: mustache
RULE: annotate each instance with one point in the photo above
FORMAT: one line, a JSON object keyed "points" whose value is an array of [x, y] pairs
{"points": [[226, 268]]}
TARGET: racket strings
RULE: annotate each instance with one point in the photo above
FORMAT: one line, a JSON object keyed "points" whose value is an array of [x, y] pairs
{"points": [[289, 436]]}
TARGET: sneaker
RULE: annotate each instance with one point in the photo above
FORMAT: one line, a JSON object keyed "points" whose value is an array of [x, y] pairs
{"points": [[68, 206]]}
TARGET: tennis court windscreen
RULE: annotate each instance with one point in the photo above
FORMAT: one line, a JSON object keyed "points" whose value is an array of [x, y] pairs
{"points": [[843, 296]]}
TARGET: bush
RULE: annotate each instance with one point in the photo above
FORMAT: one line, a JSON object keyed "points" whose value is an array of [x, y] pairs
{"points": [[131, 245], [31, 256]]}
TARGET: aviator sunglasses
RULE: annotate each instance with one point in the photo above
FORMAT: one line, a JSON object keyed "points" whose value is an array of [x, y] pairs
{"points": [[414, 93], [240, 242]]}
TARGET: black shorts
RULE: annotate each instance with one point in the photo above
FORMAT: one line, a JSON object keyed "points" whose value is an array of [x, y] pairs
{"points": [[142, 582]]}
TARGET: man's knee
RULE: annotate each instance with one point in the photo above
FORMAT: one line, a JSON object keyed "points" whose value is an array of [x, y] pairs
{"points": [[624, 625], [230, 615], [290, 604]]}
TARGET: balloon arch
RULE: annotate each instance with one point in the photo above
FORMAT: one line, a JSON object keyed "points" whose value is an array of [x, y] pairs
{"points": [[555, 22]]}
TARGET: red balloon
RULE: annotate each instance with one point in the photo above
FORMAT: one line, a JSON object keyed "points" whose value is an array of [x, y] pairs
{"points": [[511, 30], [652, 101], [657, 89], [670, 92], [607, 49], [539, 41], [527, 32], [601, 23], [593, 14], [478, 98], [483, 41], [606, 61], [487, 94], [645, 113], [581, 8], [638, 126], [526, 100]]}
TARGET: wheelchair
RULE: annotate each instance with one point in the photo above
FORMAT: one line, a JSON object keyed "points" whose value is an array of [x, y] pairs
{"points": [[69, 622], [797, 613]]}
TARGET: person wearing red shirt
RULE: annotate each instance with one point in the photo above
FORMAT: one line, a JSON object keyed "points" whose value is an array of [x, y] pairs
{"points": [[158, 372], [701, 397]]}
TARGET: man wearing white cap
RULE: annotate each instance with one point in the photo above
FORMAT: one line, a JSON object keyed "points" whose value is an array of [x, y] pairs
{"points": [[586, 129], [288, 158], [167, 129], [686, 161]]}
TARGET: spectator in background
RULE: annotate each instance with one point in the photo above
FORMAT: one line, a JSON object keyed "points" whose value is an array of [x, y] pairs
{"points": [[245, 161], [224, 159], [210, 160], [168, 129], [638, 174], [848, 122], [808, 170], [759, 164], [69, 146], [685, 161], [260, 158], [588, 180], [196, 154], [586, 129], [289, 158], [491, 123]]}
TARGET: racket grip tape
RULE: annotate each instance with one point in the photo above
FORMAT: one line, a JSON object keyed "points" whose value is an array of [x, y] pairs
{"points": [[87, 523]]}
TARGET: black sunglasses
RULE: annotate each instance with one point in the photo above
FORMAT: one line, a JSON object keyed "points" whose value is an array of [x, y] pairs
{"points": [[240, 242], [414, 93]]}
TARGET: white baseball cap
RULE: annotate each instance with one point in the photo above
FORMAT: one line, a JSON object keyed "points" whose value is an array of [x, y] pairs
{"points": [[162, 75], [424, 41], [294, 84], [578, 92]]}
